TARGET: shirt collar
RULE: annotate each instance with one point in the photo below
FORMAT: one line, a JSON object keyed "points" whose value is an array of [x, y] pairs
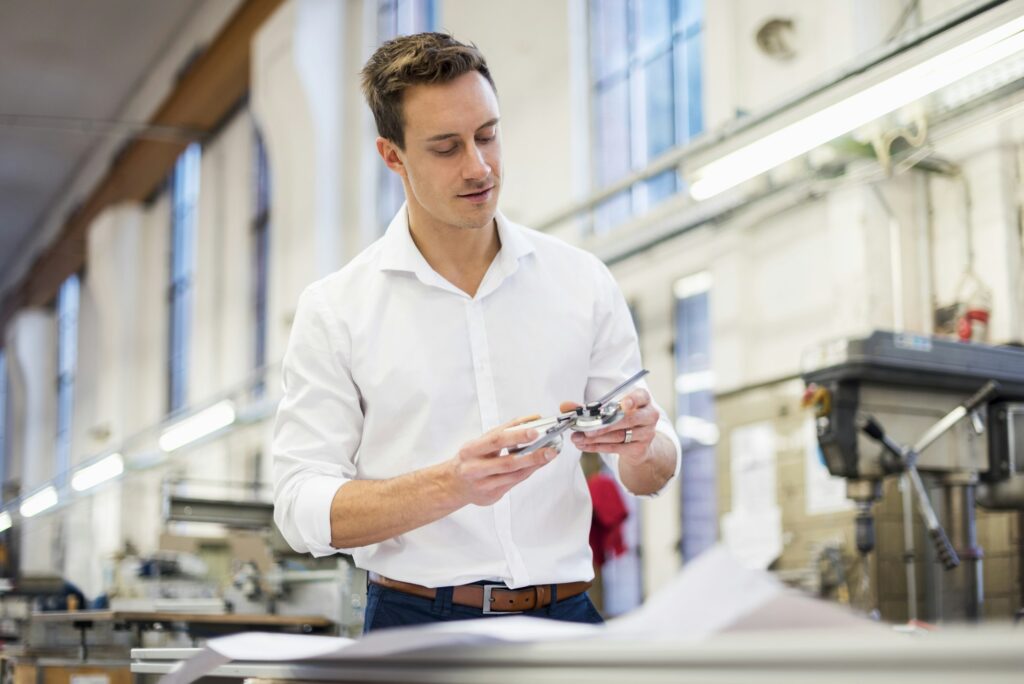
{"points": [[400, 253]]}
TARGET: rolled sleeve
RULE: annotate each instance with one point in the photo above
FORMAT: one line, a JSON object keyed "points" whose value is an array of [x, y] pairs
{"points": [[615, 356], [317, 430]]}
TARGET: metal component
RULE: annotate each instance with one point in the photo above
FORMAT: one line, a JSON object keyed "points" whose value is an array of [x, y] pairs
{"points": [[964, 590], [908, 456], [909, 558], [864, 490], [596, 415], [246, 514], [488, 600]]}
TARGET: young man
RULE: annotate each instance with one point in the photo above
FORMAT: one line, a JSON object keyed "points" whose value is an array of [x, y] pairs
{"points": [[406, 369]]}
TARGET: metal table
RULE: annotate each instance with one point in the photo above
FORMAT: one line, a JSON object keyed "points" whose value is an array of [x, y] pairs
{"points": [[790, 657]]}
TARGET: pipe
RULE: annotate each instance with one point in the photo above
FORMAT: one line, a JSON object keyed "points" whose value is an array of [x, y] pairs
{"points": [[909, 558]]}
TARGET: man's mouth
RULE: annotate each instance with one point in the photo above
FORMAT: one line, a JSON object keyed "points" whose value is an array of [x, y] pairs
{"points": [[479, 196]]}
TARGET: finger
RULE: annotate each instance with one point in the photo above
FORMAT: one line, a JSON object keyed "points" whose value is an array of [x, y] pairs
{"points": [[641, 418], [516, 421], [524, 465], [614, 439], [567, 406], [490, 443], [637, 399], [537, 458]]}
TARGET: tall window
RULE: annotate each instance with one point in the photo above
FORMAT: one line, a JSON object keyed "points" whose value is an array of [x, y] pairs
{"points": [[695, 413], [398, 18], [3, 422], [67, 356], [184, 205], [647, 90], [261, 253]]}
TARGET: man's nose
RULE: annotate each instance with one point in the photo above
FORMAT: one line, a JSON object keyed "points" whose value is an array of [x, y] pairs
{"points": [[475, 166]]}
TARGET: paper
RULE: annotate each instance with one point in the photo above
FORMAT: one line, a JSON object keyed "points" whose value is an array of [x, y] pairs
{"points": [[754, 538], [752, 530], [714, 593]]}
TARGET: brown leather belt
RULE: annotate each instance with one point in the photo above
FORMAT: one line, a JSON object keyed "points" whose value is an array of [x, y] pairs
{"points": [[491, 598]]}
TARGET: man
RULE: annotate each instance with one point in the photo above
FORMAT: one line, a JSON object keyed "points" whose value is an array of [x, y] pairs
{"points": [[406, 368]]}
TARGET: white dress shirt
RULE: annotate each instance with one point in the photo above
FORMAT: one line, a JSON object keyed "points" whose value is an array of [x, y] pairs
{"points": [[390, 368]]}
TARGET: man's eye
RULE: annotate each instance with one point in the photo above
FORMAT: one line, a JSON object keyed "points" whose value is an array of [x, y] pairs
{"points": [[485, 139], [445, 153]]}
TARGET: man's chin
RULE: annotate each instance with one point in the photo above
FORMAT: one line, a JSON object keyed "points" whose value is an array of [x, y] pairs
{"points": [[480, 217]]}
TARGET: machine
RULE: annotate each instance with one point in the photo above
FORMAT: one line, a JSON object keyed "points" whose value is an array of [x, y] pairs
{"points": [[893, 404]]}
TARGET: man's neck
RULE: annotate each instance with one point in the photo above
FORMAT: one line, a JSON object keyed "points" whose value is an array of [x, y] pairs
{"points": [[460, 255]]}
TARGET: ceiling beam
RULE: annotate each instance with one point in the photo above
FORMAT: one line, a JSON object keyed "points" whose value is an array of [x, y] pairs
{"points": [[207, 91]]}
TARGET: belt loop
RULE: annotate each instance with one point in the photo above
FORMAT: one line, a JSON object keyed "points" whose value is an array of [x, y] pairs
{"points": [[554, 598], [449, 597], [442, 601]]}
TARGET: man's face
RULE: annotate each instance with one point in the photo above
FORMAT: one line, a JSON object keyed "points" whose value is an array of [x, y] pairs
{"points": [[452, 158]]}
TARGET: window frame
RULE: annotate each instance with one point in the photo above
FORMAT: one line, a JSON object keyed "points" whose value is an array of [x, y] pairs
{"points": [[687, 120], [185, 186]]}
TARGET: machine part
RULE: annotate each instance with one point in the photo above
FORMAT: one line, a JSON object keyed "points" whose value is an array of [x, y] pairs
{"points": [[987, 391], [963, 589], [594, 416], [257, 515], [864, 490], [946, 553], [865, 527], [909, 557], [1002, 487], [818, 398]]}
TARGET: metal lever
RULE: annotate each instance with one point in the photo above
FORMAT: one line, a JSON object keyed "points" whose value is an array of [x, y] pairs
{"points": [[908, 457]]}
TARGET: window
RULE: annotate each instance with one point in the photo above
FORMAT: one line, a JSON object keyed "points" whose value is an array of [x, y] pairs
{"points": [[695, 414], [184, 205], [398, 18], [67, 356], [261, 253], [647, 89]]}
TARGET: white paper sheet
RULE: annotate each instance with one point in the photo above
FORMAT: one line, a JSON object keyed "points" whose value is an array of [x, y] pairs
{"points": [[713, 593]]}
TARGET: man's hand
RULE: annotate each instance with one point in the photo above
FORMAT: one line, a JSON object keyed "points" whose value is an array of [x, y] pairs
{"points": [[481, 475], [648, 460], [371, 511], [639, 418]]}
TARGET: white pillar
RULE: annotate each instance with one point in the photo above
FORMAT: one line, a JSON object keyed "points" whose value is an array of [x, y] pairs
{"points": [[306, 59], [32, 359]]}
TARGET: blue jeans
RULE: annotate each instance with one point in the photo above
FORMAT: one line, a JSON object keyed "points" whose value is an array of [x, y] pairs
{"points": [[389, 608]]}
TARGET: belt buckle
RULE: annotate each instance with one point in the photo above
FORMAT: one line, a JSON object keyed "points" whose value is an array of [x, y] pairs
{"points": [[488, 588]]}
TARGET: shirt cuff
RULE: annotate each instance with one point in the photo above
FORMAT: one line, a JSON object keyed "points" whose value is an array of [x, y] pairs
{"points": [[313, 513]]}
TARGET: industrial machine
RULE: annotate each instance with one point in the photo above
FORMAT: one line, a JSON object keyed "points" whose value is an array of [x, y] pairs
{"points": [[265, 575], [894, 404]]}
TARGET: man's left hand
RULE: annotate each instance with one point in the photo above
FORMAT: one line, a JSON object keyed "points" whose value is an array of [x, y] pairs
{"points": [[630, 438]]}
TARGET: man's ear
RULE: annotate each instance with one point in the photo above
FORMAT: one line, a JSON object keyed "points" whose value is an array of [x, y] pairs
{"points": [[389, 152]]}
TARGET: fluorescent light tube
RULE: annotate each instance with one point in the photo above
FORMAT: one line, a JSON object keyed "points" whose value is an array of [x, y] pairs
{"points": [[857, 110], [42, 500], [101, 471], [194, 428], [5, 521]]}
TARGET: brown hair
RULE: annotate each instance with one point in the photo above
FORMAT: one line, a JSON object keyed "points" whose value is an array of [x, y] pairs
{"points": [[421, 58]]}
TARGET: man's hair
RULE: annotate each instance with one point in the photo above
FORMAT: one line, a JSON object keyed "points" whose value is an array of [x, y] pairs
{"points": [[421, 58]]}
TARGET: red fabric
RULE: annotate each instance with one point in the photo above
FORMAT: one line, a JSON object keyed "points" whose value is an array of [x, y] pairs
{"points": [[609, 514]]}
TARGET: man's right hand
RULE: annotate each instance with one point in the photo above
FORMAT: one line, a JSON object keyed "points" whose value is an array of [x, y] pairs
{"points": [[480, 474], [371, 511]]}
